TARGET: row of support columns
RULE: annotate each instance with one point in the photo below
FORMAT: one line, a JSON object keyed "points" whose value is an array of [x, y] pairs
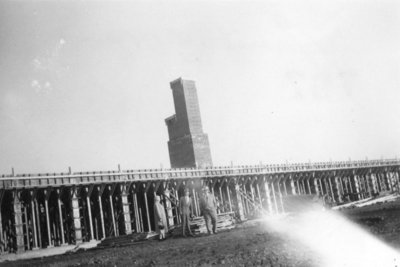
{"points": [[41, 218]]}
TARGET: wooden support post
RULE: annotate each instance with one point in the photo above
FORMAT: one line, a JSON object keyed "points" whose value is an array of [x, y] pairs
{"points": [[339, 189], [89, 190], [198, 202], [221, 197], [367, 181], [309, 187], [19, 231], [239, 202], [100, 190], [178, 217], [280, 194], [317, 191], [273, 194], [303, 186], [47, 193], [268, 195], [252, 191], [321, 186], [59, 202], [374, 183], [147, 186], [229, 197], [197, 213], [292, 185], [391, 181], [126, 210], [136, 209], [330, 186], [350, 184], [245, 201], [38, 221], [2, 239], [27, 228], [397, 180], [110, 198], [341, 185], [76, 215], [357, 186], [346, 185], [147, 211], [298, 189], [96, 228], [54, 234], [259, 195], [378, 181], [284, 186], [141, 220], [61, 220]]}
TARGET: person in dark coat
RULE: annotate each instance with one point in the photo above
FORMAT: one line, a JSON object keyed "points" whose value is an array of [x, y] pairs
{"points": [[160, 218], [208, 207], [185, 206]]}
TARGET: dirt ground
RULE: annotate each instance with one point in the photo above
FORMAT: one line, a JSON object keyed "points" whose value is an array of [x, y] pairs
{"points": [[250, 244]]}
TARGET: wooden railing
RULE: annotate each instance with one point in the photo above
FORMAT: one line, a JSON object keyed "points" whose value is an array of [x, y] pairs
{"points": [[85, 178]]}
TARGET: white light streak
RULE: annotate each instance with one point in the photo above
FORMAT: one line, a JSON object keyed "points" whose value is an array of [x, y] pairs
{"points": [[336, 240]]}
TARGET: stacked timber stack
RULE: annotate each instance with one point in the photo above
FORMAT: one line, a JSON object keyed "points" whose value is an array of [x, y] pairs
{"points": [[225, 221]]}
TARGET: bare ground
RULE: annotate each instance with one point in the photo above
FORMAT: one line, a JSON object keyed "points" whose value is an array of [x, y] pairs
{"points": [[251, 244]]}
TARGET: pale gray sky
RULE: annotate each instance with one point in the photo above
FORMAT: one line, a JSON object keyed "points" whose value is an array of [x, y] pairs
{"points": [[86, 84]]}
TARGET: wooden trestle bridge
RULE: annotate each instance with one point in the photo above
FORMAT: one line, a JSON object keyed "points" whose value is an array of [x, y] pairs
{"points": [[45, 210]]}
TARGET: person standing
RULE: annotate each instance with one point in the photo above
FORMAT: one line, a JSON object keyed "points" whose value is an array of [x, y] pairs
{"points": [[208, 209], [185, 206], [160, 218]]}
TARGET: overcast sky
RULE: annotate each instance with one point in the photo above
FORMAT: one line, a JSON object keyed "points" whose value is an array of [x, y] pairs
{"points": [[86, 84]]}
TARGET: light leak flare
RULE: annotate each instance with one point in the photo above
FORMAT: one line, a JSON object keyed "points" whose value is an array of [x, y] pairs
{"points": [[336, 240]]}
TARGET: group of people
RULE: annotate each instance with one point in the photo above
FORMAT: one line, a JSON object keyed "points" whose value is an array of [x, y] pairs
{"points": [[208, 209]]}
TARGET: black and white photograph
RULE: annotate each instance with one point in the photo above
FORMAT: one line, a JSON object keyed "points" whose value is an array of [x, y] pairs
{"points": [[200, 133]]}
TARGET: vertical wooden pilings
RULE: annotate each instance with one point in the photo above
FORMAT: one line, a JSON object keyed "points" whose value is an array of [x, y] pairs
{"points": [[146, 203], [268, 195], [18, 224], [2, 239], [229, 196], [317, 191], [331, 189], [274, 195], [147, 212], [60, 216], [89, 190], [111, 190], [100, 190], [136, 209], [292, 185], [39, 234], [33, 219], [76, 215], [125, 209], [239, 202], [221, 198], [259, 195]]}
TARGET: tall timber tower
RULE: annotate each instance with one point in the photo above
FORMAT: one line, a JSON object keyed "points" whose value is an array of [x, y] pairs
{"points": [[188, 145]]}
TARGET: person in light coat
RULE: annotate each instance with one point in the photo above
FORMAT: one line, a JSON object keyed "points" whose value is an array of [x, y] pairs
{"points": [[160, 218]]}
